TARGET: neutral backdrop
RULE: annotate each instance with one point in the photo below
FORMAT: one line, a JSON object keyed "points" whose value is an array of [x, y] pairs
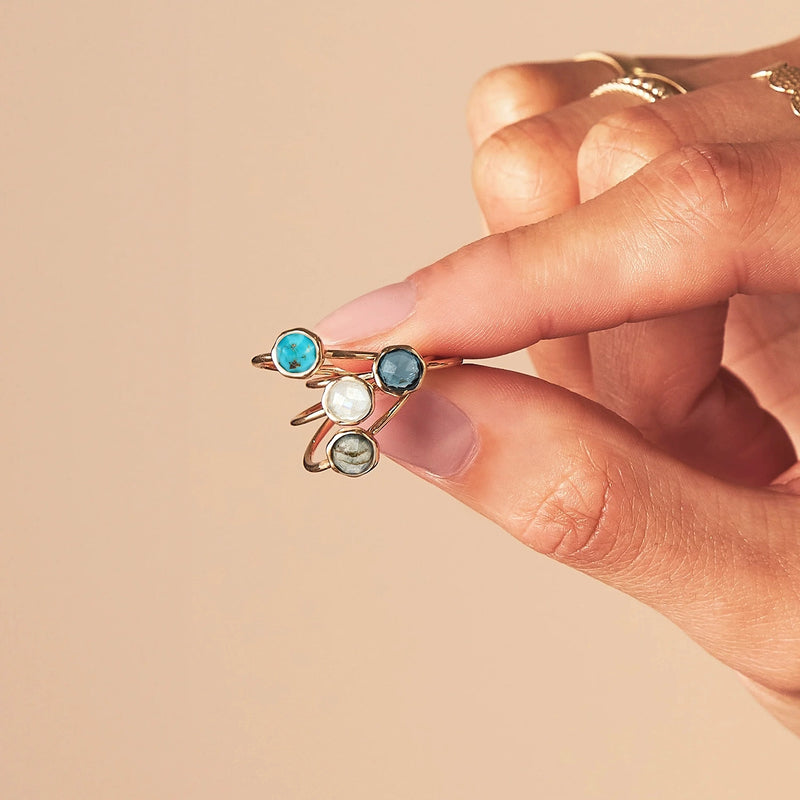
{"points": [[184, 612]]}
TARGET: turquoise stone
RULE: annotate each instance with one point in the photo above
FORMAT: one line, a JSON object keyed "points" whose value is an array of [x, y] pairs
{"points": [[400, 370], [296, 352]]}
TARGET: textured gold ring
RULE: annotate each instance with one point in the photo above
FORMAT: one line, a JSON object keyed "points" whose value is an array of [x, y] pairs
{"points": [[783, 77], [633, 77], [649, 86]]}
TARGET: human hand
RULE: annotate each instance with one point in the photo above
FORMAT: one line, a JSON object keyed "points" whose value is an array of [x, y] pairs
{"points": [[690, 204]]}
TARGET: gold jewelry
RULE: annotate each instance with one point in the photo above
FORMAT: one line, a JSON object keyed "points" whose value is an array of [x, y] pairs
{"points": [[783, 78], [348, 396], [649, 86], [352, 451], [632, 78], [623, 65], [299, 353]]}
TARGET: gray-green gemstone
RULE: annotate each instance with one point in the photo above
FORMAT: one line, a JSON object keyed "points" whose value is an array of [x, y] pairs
{"points": [[353, 453]]}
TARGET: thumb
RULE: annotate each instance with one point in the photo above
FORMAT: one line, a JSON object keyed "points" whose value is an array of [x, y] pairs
{"points": [[575, 482]]}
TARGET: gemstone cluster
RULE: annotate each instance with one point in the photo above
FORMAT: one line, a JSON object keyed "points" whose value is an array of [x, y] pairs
{"points": [[347, 407]]}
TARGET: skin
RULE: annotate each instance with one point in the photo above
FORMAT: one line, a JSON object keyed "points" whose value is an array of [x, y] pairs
{"points": [[648, 255]]}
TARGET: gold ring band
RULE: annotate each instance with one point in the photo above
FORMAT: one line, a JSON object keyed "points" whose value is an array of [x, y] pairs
{"points": [[649, 86], [633, 77], [622, 65], [351, 451]]}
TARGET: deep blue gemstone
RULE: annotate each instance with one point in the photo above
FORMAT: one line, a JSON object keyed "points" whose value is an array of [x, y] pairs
{"points": [[296, 352], [400, 370]]}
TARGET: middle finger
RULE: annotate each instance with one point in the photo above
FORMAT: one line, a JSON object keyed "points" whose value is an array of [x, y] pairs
{"points": [[644, 374]]}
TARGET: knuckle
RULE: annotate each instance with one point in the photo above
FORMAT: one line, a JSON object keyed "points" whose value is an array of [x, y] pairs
{"points": [[705, 188], [578, 520], [622, 143], [521, 163], [505, 92], [711, 173]]}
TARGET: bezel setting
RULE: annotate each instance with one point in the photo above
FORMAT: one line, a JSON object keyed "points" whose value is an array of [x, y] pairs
{"points": [[361, 433], [398, 392], [332, 387], [308, 371]]}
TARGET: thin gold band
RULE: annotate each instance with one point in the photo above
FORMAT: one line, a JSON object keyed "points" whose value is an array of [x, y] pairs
{"points": [[310, 461], [320, 381], [265, 361], [622, 65], [633, 77], [649, 86]]}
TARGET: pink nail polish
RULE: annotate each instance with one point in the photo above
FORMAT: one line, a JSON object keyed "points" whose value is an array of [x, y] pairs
{"points": [[431, 433], [369, 315]]}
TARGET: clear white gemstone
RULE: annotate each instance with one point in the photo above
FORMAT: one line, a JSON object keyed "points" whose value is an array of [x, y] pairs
{"points": [[347, 400]]}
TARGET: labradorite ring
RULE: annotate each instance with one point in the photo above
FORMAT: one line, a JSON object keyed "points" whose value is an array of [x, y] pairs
{"points": [[349, 395]]}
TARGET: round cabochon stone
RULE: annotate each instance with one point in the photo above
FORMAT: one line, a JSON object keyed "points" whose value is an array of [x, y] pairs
{"points": [[347, 400], [296, 352], [400, 370], [353, 453]]}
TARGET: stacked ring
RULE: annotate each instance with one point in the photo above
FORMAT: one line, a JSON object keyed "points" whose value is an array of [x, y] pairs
{"points": [[348, 396], [649, 86], [632, 78]]}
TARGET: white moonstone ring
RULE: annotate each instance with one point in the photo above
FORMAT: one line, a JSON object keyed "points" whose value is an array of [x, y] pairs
{"points": [[349, 396]]}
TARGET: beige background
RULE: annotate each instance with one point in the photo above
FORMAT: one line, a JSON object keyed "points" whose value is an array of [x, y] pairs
{"points": [[184, 613]]}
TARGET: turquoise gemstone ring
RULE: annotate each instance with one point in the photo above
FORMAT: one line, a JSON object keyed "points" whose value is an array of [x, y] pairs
{"points": [[348, 396], [299, 353]]}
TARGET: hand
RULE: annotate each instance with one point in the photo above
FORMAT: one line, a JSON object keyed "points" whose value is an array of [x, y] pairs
{"points": [[687, 497]]}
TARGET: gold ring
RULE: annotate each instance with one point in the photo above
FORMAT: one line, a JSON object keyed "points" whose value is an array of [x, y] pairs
{"points": [[299, 353], [649, 86], [349, 394], [783, 77], [622, 65]]}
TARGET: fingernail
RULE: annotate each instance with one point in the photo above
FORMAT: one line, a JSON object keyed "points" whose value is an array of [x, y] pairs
{"points": [[431, 433], [372, 313]]}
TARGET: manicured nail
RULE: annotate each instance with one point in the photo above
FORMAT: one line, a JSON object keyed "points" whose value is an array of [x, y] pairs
{"points": [[432, 433], [369, 315]]}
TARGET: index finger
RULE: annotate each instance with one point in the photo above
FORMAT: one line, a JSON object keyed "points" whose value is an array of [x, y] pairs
{"points": [[690, 229]]}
